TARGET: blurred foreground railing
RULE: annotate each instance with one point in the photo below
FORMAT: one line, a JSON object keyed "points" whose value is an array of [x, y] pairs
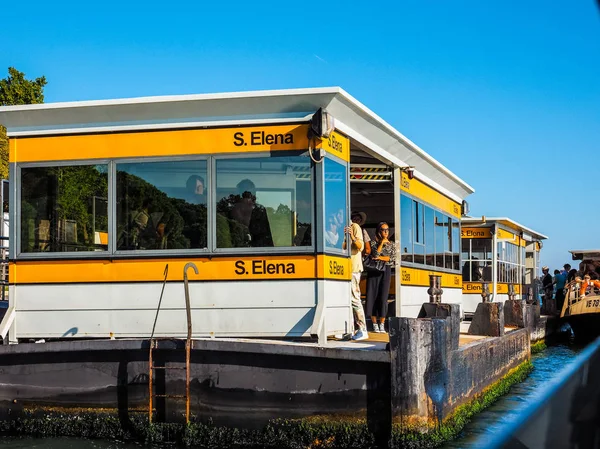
{"points": [[3, 268], [566, 413]]}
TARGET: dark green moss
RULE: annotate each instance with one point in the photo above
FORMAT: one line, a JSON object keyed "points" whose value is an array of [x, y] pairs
{"points": [[538, 346], [452, 425], [293, 434]]}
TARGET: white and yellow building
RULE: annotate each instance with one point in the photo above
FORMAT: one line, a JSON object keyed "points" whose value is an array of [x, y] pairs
{"points": [[254, 188], [501, 253]]}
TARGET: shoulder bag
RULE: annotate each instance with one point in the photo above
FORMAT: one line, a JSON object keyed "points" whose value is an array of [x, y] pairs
{"points": [[370, 264]]}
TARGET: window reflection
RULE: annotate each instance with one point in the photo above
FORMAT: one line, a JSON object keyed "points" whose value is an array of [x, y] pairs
{"points": [[477, 260], [336, 209], [64, 208], [406, 228], [428, 237], [264, 202], [161, 205]]}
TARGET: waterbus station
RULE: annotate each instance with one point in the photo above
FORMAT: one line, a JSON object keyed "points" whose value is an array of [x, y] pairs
{"points": [[227, 212]]}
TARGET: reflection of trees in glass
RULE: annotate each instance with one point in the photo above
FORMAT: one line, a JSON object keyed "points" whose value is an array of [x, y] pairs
{"points": [[57, 208], [281, 226], [171, 223]]}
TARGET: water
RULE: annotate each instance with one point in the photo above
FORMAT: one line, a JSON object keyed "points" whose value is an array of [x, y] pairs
{"points": [[548, 364]]}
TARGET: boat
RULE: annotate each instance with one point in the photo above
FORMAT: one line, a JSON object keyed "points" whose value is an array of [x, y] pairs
{"points": [[581, 308]]}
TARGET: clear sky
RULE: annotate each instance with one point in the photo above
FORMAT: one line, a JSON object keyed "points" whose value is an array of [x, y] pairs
{"points": [[505, 94]]}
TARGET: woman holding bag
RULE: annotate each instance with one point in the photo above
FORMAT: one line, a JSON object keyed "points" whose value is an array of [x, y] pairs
{"points": [[378, 281]]}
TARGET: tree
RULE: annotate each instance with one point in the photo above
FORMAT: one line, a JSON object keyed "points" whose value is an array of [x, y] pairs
{"points": [[15, 90]]}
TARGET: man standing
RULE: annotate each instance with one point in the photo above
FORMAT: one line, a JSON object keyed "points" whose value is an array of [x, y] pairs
{"points": [[354, 237], [560, 280], [547, 288]]}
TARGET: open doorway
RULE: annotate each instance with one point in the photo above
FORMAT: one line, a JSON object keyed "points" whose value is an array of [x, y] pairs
{"points": [[372, 192]]}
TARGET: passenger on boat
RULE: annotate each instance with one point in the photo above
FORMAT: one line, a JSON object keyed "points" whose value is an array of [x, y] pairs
{"points": [[587, 284]]}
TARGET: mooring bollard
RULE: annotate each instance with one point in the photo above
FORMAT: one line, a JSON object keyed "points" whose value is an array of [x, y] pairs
{"points": [[485, 292], [511, 292], [530, 297], [435, 288]]}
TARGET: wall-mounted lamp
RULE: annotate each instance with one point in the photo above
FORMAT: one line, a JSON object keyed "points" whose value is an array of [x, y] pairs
{"points": [[321, 124], [409, 170], [464, 208]]}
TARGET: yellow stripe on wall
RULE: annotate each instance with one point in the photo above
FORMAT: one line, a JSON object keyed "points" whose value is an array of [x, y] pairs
{"points": [[152, 270], [475, 233], [337, 145], [501, 288], [148, 270], [334, 267], [415, 276], [423, 192], [159, 143]]}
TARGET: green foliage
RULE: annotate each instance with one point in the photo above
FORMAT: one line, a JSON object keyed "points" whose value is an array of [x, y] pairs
{"points": [[15, 90]]}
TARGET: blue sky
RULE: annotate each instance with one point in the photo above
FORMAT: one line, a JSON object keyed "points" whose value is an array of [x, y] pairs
{"points": [[505, 94]]}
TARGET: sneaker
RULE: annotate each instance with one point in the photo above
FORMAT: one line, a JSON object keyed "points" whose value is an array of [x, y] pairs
{"points": [[376, 328], [382, 328], [360, 335]]}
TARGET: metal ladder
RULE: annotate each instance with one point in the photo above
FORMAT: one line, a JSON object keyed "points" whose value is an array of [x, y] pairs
{"points": [[188, 346]]}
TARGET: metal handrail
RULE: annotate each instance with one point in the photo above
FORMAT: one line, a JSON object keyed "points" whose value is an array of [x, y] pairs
{"points": [[188, 344]]}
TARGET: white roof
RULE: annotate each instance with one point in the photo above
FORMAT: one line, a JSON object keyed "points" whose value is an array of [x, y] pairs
{"points": [[505, 221], [224, 109], [582, 254]]}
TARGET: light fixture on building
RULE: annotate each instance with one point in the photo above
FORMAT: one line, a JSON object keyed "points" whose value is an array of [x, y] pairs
{"points": [[321, 124], [464, 208], [409, 170]]}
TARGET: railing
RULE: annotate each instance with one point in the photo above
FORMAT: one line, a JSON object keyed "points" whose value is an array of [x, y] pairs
{"points": [[566, 411], [3, 267]]}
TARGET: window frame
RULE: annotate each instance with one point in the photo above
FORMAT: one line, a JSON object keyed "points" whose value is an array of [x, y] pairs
{"points": [[146, 252], [322, 246], [210, 180], [447, 216], [212, 212], [65, 254]]}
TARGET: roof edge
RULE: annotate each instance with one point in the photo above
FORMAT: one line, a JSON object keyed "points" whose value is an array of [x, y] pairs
{"points": [[173, 98]]}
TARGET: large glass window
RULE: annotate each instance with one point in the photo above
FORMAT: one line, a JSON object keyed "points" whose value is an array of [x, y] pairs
{"points": [[267, 202], [406, 228], [441, 238], [336, 209], [509, 266], [429, 236], [477, 260], [161, 205], [64, 208]]}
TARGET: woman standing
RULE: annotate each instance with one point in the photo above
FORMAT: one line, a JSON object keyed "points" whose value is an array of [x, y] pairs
{"points": [[378, 282]]}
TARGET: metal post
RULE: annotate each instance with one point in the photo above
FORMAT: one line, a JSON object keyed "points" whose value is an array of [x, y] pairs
{"points": [[485, 292], [188, 342], [511, 292], [435, 288]]}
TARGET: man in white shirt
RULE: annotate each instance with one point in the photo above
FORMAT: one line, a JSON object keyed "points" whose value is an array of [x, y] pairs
{"points": [[354, 237]]}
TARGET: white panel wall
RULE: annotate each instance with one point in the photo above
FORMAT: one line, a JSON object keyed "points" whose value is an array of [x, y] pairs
{"points": [[259, 308]]}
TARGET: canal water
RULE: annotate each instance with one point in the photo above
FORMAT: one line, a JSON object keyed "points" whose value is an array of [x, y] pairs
{"points": [[548, 364]]}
